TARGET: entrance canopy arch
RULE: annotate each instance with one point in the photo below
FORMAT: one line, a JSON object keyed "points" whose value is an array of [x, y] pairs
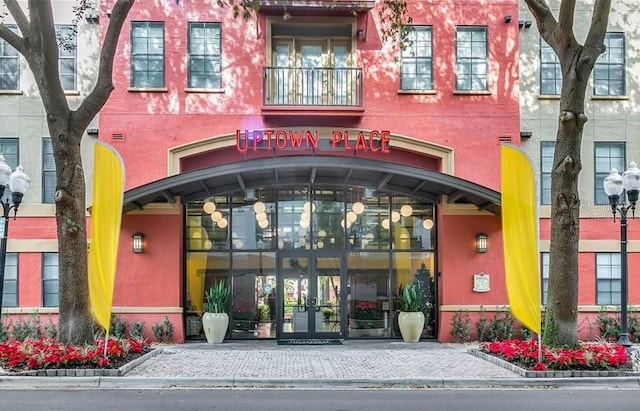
{"points": [[425, 184]]}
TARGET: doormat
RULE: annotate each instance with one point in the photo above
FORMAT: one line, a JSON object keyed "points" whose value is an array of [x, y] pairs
{"points": [[308, 341]]}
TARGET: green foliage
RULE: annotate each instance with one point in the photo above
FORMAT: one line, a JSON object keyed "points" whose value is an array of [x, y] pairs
{"points": [[51, 329], [482, 326], [460, 324], [137, 330], [163, 331], [29, 328], [501, 328], [426, 286], [410, 299], [608, 326], [550, 329], [394, 18], [4, 333], [265, 313], [218, 298], [118, 327]]}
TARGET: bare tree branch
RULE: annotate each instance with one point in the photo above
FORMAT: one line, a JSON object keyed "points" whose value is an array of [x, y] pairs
{"points": [[545, 20], [13, 39], [599, 21], [565, 18], [92, 104], [18, 15]]}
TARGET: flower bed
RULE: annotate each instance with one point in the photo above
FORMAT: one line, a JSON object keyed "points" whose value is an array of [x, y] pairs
{"points": [[30, 354], [587, 356]]}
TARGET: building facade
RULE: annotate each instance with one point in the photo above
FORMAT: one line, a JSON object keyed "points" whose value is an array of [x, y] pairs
{"points": [[311, 165], [31, 270], [609, 141], [314, 166]]}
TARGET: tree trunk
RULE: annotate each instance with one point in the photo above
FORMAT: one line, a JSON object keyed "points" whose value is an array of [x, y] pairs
{"points": [[75, 323], [577, 62], [565, 203]]}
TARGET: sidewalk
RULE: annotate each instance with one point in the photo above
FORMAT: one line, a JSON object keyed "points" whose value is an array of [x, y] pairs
{"points": [[355, 364]]}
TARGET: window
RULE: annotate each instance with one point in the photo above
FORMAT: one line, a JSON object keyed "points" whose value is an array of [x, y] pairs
{"points": [[48, 172], [471, 58], [9, 64], [147, 54], [10, 290], [50, 283], [550, 71], [545, 277], [205, 52], [608, 73], [608, 156], [416, 60], [66, 35], [312, 66], [608, 279], [9, 149], [546, 165]]}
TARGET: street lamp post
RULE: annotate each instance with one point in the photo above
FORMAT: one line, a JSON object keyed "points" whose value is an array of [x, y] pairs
{"points": [[614, 186], [18, 183]]}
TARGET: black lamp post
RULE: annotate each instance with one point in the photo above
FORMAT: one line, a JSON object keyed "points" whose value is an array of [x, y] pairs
{"points": [[614, 186], [18, 183]]}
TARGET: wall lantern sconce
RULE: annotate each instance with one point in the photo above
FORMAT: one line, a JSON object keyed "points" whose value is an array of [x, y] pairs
{"points": [[138, 243], [507, 18], [481, 243], [360, 33]]}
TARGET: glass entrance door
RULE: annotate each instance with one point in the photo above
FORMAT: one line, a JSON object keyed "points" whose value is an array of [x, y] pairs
{"points": [[310, 299]]}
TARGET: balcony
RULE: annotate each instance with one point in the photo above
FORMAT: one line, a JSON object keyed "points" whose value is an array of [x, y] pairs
{"points": [[317, 92]]}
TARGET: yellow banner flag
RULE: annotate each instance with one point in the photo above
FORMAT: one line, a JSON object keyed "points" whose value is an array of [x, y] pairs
{"points": [[106, 216], [520, 237]]}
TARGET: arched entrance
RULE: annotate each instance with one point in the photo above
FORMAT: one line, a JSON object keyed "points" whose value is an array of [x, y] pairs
{"points": [[337, 239]]}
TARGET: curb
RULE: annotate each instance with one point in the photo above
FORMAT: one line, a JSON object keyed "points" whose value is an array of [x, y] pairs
{"points": [[29, 383]]}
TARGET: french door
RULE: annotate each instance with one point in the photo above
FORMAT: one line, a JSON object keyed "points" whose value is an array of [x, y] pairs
{"points": [[310, 305]]}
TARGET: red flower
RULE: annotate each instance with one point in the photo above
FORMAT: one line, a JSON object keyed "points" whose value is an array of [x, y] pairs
{"points": [[48, 353], [587, 356]]}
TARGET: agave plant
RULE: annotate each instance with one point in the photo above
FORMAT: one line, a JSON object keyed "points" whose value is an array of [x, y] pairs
{"points": [[218, 298], [410, 299]]}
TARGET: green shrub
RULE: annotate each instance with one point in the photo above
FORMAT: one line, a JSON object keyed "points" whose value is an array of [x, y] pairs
{"points": [[460, 326], [29, 328], [163, 331], [137, 330]]}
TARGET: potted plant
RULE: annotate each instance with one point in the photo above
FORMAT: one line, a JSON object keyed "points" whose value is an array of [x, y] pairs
{"points": [[411, 317], [215, 320], [264, 324]]}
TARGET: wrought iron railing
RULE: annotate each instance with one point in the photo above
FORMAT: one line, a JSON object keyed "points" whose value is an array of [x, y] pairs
{"points": [[312, 86]]}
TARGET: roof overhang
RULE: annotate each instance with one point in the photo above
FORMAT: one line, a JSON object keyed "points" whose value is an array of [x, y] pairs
{"points": [[346, 7], [426, 184]]}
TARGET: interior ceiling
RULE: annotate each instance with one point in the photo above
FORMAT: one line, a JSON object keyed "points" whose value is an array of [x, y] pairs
{"points": [[427, 185]]}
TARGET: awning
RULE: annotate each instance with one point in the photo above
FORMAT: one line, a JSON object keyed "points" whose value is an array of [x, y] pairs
{"points": [[224, 179]]}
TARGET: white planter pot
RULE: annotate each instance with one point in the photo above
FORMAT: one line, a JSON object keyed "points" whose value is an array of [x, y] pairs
{"points": [[411, 325], [215, 326]]}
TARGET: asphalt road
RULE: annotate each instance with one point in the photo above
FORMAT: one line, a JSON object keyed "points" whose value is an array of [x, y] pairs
{"points": [[586, 399]]}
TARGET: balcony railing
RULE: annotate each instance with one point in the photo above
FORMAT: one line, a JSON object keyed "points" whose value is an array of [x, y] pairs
{"points": [[312, 86]]}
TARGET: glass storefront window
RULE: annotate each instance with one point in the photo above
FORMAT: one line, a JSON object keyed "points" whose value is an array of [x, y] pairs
{"points": [[328, 234], [294, 219], [412, 222], [367, 221], [253, 303], [417, 269], [368, 303], [388, 241], [203, 269]]}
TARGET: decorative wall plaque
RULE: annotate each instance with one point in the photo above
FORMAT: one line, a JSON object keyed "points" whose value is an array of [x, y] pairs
{"points": [[481, 283]]}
